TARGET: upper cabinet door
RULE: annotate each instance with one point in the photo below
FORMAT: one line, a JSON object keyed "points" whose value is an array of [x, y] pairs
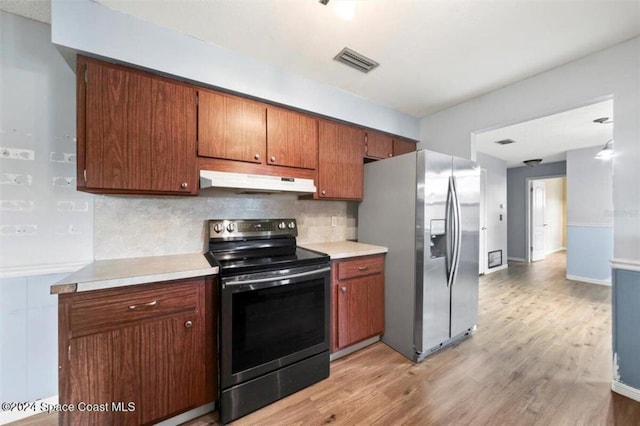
{"points": [[117, 133], [378, 145], [136, 131], [340, 160], [173, 137], [231, 128], [402, 147], [292, 139]]}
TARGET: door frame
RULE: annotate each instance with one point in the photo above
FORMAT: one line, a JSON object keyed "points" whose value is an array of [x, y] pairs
{"points": [[527, 209]]}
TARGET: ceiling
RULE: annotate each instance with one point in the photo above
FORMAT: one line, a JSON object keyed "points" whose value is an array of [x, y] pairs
{"points": [[433, 54], [549, 138]]}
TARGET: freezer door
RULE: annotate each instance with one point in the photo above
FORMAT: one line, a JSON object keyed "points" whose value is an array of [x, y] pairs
{"points": [[464, 288], [433, 248]]}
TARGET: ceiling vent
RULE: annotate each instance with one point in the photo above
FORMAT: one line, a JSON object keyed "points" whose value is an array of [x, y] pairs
{"points": [[505, 142], [356, 60]]}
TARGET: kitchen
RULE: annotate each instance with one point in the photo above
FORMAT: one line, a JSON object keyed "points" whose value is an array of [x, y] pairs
{"points": [[136, 236]]}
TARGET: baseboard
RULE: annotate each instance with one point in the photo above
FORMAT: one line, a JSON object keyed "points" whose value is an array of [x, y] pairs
{"points": [[40, 406], [189, 415], [354, 348], [496, 269], [30, 409], [588, 280], [625, 390], [555, 250], [516, 259]]}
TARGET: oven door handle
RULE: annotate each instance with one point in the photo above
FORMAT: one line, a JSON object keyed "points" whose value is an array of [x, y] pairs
{"points": [[275, 279]]}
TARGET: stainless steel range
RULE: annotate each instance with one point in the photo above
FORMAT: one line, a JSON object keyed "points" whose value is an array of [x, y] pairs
{"points": [[274, 321]]}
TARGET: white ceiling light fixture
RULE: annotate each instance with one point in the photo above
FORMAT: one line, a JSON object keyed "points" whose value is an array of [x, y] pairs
{"points": [[344, 9], [606, 152]]}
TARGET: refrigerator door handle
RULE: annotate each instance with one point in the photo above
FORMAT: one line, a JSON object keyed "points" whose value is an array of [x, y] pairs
{"points": [[457, 233], [449, 223]]}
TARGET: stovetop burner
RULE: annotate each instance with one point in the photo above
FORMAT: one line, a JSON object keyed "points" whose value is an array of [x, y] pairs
{"points": [[255, 245]]}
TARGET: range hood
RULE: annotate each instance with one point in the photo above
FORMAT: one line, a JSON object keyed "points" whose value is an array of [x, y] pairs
{"points": [[255, 183]]}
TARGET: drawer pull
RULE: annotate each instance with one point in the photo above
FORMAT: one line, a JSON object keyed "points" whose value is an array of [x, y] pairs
{"points": [[343, 289], [362, 268], [188, 324], [144, 305]]}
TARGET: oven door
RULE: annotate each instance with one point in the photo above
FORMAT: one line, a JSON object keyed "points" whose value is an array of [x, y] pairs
{"points": [[272, 319]]}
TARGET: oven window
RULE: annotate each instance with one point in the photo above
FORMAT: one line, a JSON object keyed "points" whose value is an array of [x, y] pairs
{"points": [[278, 321]]}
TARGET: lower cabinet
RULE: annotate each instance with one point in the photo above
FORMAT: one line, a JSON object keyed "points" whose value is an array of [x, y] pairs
{"points": [[137, 355], [358, 300]]}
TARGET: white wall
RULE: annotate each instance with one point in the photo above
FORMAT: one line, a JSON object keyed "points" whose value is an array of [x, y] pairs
{"points": [[589, 216], [589, 188], [87, 26], [554, 214], [496, 199], [611, 72], [44, 221]]}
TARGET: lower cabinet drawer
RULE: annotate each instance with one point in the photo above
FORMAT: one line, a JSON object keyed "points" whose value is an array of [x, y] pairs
{"points": [[360, 266], [115, 308]]}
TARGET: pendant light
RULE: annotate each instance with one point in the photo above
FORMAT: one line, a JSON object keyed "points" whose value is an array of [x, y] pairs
{"points": [[606, 152]]}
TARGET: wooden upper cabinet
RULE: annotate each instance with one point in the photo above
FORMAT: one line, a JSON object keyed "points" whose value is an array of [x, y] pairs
{"points": [[118, 136], [340, 164], [378, 145], [136, 131], [403, 147], [173, 137], [292, 139], [231, 128]]}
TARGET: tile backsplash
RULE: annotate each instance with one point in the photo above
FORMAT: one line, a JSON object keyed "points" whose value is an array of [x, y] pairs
{"points": [[134, 226]]}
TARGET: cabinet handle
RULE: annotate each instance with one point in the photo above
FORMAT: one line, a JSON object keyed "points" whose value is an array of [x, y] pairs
{"points": [[323, 192], [144, 305], [257, 156], [362, 268], [390, 155], [272, 159], [343, 289], [188, 324], [184, 185]]}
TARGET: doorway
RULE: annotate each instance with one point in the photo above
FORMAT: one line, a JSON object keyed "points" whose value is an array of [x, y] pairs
{"points": [[546, 217]]}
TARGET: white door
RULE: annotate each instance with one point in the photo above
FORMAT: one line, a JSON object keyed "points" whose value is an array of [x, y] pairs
{"points": [[537, 220], [482, 260]]}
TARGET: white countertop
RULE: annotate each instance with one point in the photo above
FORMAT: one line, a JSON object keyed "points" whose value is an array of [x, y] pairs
{"points": [[344, 249], [102, 274]]}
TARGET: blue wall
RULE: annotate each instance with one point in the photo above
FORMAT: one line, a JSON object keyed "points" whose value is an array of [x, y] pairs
{"points": [[589, 249], [626, 326]]}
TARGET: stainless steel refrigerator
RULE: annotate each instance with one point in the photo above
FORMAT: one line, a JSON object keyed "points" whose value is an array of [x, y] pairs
{"points": [[424, 206]]}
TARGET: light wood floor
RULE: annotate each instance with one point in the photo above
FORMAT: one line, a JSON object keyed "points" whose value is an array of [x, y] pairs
{"points": [[541, 356]]}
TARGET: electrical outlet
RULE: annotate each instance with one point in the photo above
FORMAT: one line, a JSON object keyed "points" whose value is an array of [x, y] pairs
{"points": [[334, 221]]}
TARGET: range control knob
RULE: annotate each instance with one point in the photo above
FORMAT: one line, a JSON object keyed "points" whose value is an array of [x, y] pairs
{"points": [[292, 225], [218, 227], [231, 227], [282, 225]]}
